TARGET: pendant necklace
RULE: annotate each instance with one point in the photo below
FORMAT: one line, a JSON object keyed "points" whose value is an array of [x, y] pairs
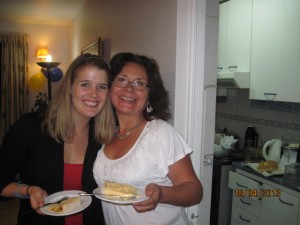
{"points": [[117, 132]]}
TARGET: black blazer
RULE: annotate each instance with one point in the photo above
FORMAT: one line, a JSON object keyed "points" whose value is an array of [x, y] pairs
{"points": [[39, 160]]}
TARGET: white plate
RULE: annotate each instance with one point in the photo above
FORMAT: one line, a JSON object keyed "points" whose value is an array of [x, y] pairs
{"points": [[280, 170], [85, 202], [118, 200]]}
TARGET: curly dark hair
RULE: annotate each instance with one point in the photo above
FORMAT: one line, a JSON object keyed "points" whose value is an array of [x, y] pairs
{"points": [[158, 95]]}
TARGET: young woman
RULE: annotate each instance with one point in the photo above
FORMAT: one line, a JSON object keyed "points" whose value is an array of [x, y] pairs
{"points": [[56, 152]]}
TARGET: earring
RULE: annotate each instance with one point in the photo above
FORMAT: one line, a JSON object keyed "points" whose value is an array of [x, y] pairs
{"points": [[149, 108]]}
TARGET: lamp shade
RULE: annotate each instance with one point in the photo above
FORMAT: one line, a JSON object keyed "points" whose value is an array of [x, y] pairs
{"points": [[42, 53]]}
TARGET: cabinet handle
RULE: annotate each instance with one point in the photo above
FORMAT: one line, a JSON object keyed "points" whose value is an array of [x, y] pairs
{"points": [[247, 203], [270, 96], [232, 68], [219, 68], [274, 94], [291, 204], [241, 185], [244, 219]]}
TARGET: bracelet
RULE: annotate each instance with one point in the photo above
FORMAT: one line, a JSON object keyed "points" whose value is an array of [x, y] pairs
{"points": [[17, 193], [27, 191]]}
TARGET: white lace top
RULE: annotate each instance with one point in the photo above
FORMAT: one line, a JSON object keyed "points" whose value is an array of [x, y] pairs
{"points": [[146, 162]]}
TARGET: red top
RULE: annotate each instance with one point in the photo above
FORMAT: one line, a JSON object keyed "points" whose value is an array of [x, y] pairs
{"points": [[72, 181]]}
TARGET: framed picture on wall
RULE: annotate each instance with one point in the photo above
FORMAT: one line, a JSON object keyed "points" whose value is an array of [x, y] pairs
{"points": [[93, 48]]}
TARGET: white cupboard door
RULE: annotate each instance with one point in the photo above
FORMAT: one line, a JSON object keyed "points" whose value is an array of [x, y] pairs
{"points": [[279, 210], [222, 36], [267, 48], [275, 56], [291, 57], [238, 48], [234, 223], [243, 217], [234, 36]]}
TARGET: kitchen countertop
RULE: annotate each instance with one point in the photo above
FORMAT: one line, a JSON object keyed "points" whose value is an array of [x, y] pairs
{"points": [[290, 183]]}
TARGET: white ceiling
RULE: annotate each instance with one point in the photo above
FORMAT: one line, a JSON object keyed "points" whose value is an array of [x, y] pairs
{"points": [[50, 12]]}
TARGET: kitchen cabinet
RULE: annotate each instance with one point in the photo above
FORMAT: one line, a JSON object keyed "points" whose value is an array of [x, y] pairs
{"points": [[234, 36], [242, 217], [246, 209], [234, 223], [275, 51], [274, 204], [279, 210]]}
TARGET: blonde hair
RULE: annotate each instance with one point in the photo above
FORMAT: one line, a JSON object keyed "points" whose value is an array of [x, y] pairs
{"points": [[58, 121]]}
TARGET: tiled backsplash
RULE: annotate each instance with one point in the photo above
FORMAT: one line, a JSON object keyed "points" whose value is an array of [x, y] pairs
{"points": [[270, 119], [259, 121]]}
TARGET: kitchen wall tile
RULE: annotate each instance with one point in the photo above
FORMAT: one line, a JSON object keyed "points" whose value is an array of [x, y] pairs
{"points": [[287, 117], [254, 112], [267, 133], [295, 136], [285, 133], [220, 123], [269, 122], [222, 91], [278, 106], [269, 115], [232, 100], [232, 92], [243, 106], [296, 117], [221, 108]]}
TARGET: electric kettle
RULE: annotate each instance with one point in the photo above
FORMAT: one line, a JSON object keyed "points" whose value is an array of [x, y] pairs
{"points": [[272, 150], [289, 155]]}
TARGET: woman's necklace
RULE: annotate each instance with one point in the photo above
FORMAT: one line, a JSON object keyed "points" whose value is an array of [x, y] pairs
{"points": [[117, 132]]}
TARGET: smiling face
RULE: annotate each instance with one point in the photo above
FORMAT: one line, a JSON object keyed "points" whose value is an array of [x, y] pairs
{"points": [[127, 100], [89, 92]]}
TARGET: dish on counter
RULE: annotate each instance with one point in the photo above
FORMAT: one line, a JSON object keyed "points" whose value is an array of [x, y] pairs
{"points": [[278, 172]]}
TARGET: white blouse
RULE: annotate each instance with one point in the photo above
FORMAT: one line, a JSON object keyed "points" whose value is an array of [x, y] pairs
{"points": [[158, 147]]}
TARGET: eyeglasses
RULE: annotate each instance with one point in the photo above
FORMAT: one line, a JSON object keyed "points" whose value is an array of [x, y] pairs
{"points": [[137, 85]]}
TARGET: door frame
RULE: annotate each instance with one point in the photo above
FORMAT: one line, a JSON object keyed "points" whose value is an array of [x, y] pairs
{"points": [[191, 112]]}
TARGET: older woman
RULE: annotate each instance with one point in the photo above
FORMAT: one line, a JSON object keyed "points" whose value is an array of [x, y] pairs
{"points": [[56, 152], [145, 152]]}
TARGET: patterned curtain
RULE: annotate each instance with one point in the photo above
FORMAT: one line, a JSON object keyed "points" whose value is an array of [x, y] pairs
{"points": [[14, 68]]}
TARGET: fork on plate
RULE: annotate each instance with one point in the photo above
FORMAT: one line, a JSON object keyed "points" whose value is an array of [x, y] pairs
{"points": [[108, 195]]}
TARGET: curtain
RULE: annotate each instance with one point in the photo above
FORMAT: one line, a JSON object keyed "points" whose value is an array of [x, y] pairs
{"points": [[14, 69]]}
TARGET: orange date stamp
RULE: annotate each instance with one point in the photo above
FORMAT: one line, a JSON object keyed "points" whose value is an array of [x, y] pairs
{"points": [[259, 193]]}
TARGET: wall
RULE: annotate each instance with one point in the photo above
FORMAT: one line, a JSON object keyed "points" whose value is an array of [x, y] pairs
{"points": [[54, 37], [145, 27], [238, 112]]}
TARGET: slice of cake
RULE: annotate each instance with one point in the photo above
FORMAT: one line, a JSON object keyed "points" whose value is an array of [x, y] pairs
{"points": [[121, 190], [267, 166], [66, 206]]}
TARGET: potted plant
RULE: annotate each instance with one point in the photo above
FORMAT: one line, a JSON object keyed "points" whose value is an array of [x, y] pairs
{"points": [[41, 103]]}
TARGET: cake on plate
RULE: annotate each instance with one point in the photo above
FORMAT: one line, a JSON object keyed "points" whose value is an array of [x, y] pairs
{"points": [[65, 206], [120, 190], [267, 166]]}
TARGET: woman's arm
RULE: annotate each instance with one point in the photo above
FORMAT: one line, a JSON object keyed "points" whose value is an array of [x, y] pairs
{"points": [[186, 190], [13, 151], [35, 193], [15, 189]]}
